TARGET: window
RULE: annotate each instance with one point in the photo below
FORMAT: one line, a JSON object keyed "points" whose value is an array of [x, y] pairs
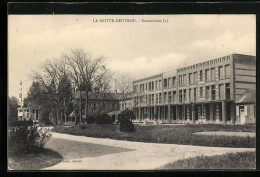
{"points": [[145, 86], [227, 91], [164, 97], [221, 72], [191, 78], [184, 79], [207, 92], [159, 84], [213, 74], [160, 98], [190, 94], [174, 82], [174, 96], [180, 80], [152, 85], [169, 81], [221, 91], [201, 75], [180, 96], [165, 83], [207, 78], [195, 94], [201, 92], [156, 85], [213, 92], [152, 98], [195, 78], [227, 71], [169, 97], [184, 95], [156, 98]]}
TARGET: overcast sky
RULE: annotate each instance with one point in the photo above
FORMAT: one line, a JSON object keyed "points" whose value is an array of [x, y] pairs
{"points": [[140, 48]]}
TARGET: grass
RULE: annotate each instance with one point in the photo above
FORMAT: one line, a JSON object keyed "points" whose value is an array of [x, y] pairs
{"points": [[169, 134], [34, 160], [240, 160]]}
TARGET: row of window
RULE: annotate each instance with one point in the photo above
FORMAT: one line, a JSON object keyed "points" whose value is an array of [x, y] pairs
{"points": [[210, 75], [193, 78], [26, 113], [170, 97], [125, 106]]}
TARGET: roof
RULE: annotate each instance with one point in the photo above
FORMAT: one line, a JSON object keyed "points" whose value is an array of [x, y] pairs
{"points": [[114, 112], [248, 97], [127, 96], [28, 107], [99, 96], [72, 114]]}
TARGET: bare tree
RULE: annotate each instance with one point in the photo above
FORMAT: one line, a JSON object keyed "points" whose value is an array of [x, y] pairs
{"points": [[85, 71], [49, 75], [124, 84], [102, 88]]}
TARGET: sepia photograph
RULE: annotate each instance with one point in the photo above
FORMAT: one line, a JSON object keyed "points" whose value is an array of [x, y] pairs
{"points": [[131, 92]]}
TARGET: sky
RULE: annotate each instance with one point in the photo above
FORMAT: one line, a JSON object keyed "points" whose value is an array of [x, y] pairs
{"points": [[138, 48]]}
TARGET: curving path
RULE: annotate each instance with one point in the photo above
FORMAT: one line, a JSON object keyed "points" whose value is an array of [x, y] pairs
{"points": [[86, 153]]}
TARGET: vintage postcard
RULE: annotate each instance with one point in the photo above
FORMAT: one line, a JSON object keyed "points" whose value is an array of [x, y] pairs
{"points": [[131, 92]]}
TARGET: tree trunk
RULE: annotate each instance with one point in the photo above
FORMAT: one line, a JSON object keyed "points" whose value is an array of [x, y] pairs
{"points": [[64, 111], [57, 116], [65, 116], [61, 118], [86, 105], [80, 110]]}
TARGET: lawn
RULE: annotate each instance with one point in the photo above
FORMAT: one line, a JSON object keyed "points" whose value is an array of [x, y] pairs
{"points": [[240, 160], [168, 134], [34, 160]]}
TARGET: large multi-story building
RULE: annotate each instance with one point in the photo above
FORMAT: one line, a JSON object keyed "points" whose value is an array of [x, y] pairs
{"points": [[205, 92]]}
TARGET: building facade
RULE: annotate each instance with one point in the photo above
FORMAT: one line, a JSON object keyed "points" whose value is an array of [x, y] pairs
{"points": [[98, 103], [201, 93], [126, 102], [246, 107], [29, 113]]}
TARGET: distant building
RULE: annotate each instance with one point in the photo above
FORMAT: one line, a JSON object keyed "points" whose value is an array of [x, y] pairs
{"points": [[206, 92], [98, 103], [126, 102], [27, 113], [246, 107]]}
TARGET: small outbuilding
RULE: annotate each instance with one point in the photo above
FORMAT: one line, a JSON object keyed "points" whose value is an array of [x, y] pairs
{"points": [[27, 113], [246, 107]]}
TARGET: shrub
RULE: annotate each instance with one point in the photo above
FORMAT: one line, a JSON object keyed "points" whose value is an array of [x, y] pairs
{"points": [[103, 119], [125, 124], [82, 126], [21, 123], [90, 120], [126, 115], [27, 138]]}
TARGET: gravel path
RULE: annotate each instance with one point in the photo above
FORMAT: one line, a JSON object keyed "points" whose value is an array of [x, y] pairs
{"points": [[86, 153]]}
